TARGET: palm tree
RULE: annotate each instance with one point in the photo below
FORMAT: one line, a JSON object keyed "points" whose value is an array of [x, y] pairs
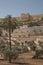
{"points": [[8, 22], [9, 26]]}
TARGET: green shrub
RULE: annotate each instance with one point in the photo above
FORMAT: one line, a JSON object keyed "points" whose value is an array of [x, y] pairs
{"points": [[10, 53]]}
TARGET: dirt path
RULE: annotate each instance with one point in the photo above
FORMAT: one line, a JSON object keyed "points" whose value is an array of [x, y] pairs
{"points": [[24, 59]]}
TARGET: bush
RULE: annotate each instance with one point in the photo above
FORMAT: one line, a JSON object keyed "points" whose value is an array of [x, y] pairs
{"points": [[38, 54], [25, 49], [10, 53], [32, 45]]}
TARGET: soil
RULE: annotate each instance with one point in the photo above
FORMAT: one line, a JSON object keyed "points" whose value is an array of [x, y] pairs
{"points": [[23, 59]]}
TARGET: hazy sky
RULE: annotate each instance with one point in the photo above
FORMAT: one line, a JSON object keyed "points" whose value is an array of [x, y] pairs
{"points": [[16, 7]]}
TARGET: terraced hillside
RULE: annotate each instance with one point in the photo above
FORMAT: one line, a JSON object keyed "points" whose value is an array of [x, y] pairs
{"points": [[26, 33]]}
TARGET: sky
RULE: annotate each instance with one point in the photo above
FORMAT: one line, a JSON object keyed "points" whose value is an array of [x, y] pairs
{"points": [[17, 7]]}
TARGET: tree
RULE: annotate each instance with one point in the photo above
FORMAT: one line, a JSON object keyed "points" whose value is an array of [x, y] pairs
{"points": [[9, 26], [8, 21]]}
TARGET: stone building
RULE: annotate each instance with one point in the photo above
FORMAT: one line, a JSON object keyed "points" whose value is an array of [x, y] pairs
{"points": [[24, 17]]}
